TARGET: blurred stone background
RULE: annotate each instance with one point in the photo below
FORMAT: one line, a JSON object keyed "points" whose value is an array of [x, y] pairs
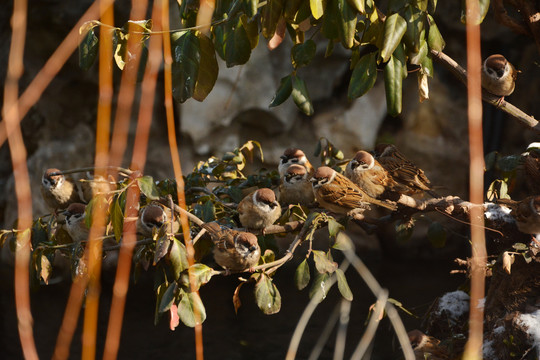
{"points": [[59, 129]]}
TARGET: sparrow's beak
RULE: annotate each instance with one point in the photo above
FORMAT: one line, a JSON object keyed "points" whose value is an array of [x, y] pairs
{"points": [[312, 180]]}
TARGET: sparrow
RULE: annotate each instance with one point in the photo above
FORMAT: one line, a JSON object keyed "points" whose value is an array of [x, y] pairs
{"points": [[75, 224], [526, 213], [531, 165], [403, 170], [58, 190], [259, 209], [498, 76], [340, 195], [295, 187], [369, 175], [234, 250], [294, 156], [93, 186], [154, 216], [427, 347]]}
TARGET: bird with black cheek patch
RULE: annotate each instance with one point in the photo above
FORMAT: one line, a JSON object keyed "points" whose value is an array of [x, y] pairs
{"points": [[259, 209], [234, 250], [526, 213], [293, 156], [154, 216], [75, 222], [366, 172], [340, 195], [427, 347], [498, 76], [295, 187], [402, 170], [531, 166], [58, 190]]}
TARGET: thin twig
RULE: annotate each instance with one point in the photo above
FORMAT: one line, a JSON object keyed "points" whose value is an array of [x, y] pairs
{"points": [[341, 336], [325, 334]]}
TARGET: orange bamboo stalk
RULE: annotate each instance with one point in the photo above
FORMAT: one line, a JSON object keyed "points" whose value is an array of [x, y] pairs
{"points": [[138, 161], [94, 246], [177, 168], [473, 348], [44, 77], [22, 180]]}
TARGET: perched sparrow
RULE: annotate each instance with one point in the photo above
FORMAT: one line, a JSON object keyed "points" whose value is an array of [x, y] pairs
{"points": [[531, 165], [259, 209], [427, 347], [370, 176], [338, 194], [295, 187], [58, 191], [498, 76], [234, 250], [294, 156], [75, 224], [155, 215], [93, 186], [403, 170], [526, 213]]}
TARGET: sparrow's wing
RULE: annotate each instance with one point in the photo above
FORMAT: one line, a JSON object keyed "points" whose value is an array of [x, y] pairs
{"points": [[405, 172]]}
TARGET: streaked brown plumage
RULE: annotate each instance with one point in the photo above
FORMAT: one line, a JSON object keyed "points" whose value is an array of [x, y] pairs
{"points": [[259, 209], [293, 156], [531, 165], [338, 194], [233, 250], [295, 187], [427, 347], [498, 76], [526, 213], [58, 190], [403, 170], [75, 222]]}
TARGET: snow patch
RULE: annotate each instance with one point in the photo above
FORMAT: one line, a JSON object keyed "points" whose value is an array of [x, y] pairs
{"points": [[488, 351], [532, 323], [496, 212], [498, 330], [454, 304]]}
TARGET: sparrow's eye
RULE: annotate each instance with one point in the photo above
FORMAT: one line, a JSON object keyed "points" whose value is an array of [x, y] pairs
{"points": [[253, 249], [77, 216], [294, 160]]}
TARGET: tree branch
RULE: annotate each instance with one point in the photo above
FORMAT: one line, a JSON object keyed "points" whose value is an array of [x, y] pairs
{"points": [[461, 74]]}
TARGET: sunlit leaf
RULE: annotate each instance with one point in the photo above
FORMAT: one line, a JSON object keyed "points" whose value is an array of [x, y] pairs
{"points": [[300, 96], [302, 275], [435, 39], [178, 258], [394, 29], [359, 5], [88, 47], [148, 187], [317, 8], [393, 79], [415, 28], [322, 263], [251, 7], [334, 227], [120, 48], [343, 286], [343, 242], [347, 23], [191, 309], [283, 92], [208, 68], [270, 14], [185, 66], [363, 76], [267, 295], [252, 30], [302, 54], [201, 274]]}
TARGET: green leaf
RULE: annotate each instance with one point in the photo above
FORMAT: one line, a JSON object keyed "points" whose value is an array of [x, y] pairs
{"points": [[208, 211], [167, 298], [237, 46], [433, 4], [393, 79], [270, 14], [300, 96], [415, 28], [185, 66], [435, 39], [201, 275], [503, 190], [252, 30], [267, 295], [359, 5], [490, 160], [88, 47], [322, 263], [418, 57], [290, 9], [178, 258], [120, 48], [268, 256], [421, 4], [251, 7], [283, 92], [302, 276], [427, 65], [191, 309], [162, 244], [302, 54], [343, 286], [483, 10], [509, 163], [208, 68], [117, 219], [347, 23], [331, 20], [320, 287], [394, 29], [436, 235], [39, 233], [363, 76], [317, 8], [334, 227], [343, 242], [148, 187]]}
